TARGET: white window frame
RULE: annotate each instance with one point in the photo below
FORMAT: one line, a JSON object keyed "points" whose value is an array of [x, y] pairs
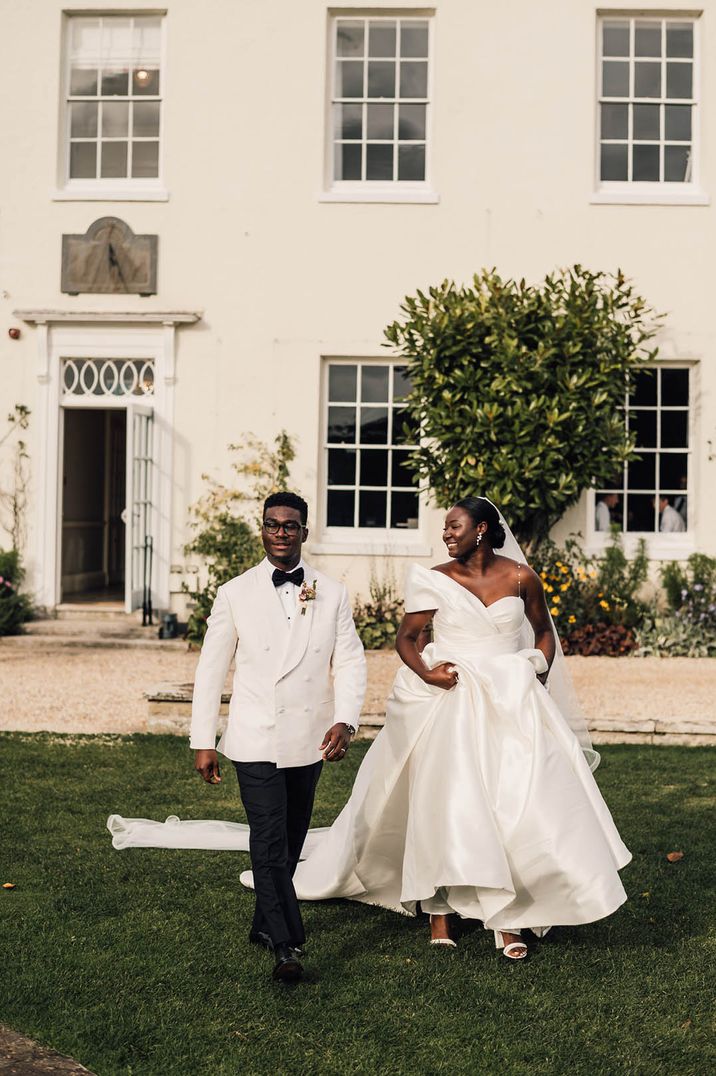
{"points": [[613, 192], [660, 546], [361, 541], [375, 190], [118, 189]]}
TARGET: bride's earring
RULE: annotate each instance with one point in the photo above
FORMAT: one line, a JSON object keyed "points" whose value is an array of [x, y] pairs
{"points": [[479, 539]]}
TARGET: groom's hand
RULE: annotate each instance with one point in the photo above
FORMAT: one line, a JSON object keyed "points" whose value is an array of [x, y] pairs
{"points": [[207, 764], [335, 742]]}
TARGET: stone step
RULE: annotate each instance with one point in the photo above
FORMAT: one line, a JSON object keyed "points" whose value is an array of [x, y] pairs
{"points": [[113, 611]]}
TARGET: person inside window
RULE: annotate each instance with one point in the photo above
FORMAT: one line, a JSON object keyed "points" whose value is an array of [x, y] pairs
{"points": [[670, 521], [605, 506]]}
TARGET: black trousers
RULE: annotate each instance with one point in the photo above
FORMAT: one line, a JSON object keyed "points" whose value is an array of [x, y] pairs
{"points": [[278, 805]]}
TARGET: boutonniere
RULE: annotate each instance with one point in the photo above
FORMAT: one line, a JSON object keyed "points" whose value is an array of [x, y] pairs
{"points": [[306, 594]]}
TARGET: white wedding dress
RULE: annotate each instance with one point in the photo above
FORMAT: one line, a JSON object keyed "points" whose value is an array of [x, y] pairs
{"points": [[477, 800]]}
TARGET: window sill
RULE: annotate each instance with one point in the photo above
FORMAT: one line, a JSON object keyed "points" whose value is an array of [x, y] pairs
{"points": [[110, 194], [392, 195], [650, 197], [658, 546], [363, 548]]}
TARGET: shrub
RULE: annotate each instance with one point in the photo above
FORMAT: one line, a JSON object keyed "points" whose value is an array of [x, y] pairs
{"points": [[377, 620], [518, 390], [687, 628], [15, 607], [600, 640], [227, 542]]}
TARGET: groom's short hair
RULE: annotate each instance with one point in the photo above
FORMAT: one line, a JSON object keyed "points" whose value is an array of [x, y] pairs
{"points": [[287, 500]]}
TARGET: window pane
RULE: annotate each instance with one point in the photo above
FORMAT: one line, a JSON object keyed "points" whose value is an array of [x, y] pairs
{"points": [[372, 509], [400, 473], [647, 39], [404, 510], [643, 425], [374, 467], [349, 38], [145, 119], [83, 119], [677, 164], [673, 468], [615, 38], [615, 79], [348, 121], [381, 79], [349, 78], [641, 474], [116, 39], [675, 387], [342, 380], [341, 466], [413, 79], [680, 39], [374, 384], [145, 160], [374, 425], [645, 163], [411, 122], [115, 82], [641, 513], [83, 160], [115, 119], [615, 121], [145, 81], [647, 80], [411, 163], [614, 162], [675, 429], [348, 162], [401, 383], [341, 425], [646, 122], [413, 38], [379, 162], [643, 393], [381, 39], [83, 81], [607, 510], [677, 121], [114, 160], [380, 121], [678, 80], [341, 508]]}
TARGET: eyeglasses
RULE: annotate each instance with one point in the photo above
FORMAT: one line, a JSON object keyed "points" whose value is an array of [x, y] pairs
{"points": [[291, 529]]}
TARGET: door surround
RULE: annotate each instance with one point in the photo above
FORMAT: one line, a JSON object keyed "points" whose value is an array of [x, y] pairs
{"points": [[97, 335]]}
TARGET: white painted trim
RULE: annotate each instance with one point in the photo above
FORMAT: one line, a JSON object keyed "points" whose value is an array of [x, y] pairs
{"points": [[633, 196], [72, 193], [393, 195], [107, 317]]}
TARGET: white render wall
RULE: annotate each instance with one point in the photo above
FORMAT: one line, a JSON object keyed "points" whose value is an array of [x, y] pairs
{"points": [[283, 278]]}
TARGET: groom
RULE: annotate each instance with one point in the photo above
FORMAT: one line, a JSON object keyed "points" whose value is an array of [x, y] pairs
{"points": [[290, 630]]}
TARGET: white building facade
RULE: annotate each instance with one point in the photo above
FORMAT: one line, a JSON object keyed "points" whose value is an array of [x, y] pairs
{"points": [[209, 213]]}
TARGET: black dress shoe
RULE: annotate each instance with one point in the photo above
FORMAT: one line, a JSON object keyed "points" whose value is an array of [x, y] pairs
{"points": [[288, 967], [260, 937]]}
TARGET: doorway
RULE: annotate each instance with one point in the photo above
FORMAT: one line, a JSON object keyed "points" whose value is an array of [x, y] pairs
{"points": [[94, 492]]}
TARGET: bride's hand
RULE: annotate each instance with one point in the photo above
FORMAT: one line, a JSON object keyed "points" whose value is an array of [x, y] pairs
{"points": [[444, 675]]}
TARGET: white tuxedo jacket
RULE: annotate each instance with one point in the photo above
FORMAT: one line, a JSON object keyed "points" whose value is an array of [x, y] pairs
{"points": [[292, 681]]}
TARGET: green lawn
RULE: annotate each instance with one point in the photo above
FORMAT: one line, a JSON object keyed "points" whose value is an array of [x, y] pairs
{"points": [[136, 961]]}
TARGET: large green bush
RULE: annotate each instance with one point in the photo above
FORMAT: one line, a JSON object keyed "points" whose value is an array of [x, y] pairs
{"points": [[518, 390], [15, 607], [227, 522], [377, 620], [687, 627]]}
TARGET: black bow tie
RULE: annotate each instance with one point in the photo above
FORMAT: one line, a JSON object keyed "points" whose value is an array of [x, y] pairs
{"points": [[280, 577]]}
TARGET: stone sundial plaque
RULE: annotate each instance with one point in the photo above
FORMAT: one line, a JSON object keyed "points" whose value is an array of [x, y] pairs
{"points": [[109, 259]]}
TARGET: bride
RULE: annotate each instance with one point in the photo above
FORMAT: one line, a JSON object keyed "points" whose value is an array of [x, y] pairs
{"points": [[477, 798]]}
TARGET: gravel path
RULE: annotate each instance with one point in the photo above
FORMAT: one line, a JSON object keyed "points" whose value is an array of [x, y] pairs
{"points": [[45, 685]]}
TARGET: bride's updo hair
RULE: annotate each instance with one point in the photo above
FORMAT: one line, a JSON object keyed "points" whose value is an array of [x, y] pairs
{"points": [[483, 511]]}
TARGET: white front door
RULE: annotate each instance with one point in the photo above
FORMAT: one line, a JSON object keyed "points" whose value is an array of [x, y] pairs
{"points": [[140, 514]]}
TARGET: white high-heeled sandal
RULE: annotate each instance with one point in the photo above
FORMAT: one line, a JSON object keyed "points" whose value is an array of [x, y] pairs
{"points": [[443, 941], [510, 951]]}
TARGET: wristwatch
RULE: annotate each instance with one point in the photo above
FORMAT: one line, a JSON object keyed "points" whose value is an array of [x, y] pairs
{"points": [[351, 730]]}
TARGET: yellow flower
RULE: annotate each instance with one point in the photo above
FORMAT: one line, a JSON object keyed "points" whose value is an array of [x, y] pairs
{"points": [[558, 563], [571, 620], [564, 570], [592, 573], [565, 586], [556, 599], [549, 589], [554, 611], [543, 575], [604, 605]]}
